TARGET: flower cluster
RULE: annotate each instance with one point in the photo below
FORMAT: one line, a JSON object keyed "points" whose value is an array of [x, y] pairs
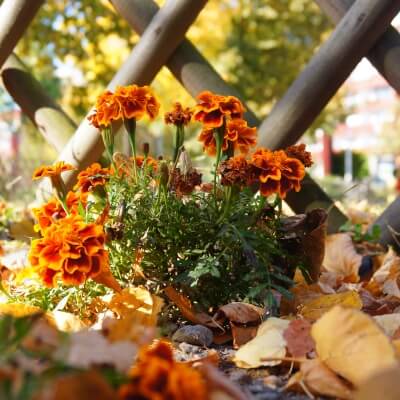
{"points": [[52, 211], [223, 116], [71, 250], [92, 177], [213, 109], [156, 376], [160, 210], [273, 172], [128, 102]]}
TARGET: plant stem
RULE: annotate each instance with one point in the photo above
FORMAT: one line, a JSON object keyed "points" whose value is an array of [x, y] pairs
{"points": [[219, 138], [130, 126]]}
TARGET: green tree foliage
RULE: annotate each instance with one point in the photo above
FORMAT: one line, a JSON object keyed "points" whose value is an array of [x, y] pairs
{"points": [[258, 45], [271, 42]]}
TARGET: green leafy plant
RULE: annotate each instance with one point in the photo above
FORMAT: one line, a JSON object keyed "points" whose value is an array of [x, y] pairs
{"points": [[216, 242]]}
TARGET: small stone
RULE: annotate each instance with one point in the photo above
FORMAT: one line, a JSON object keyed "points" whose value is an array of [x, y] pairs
{"points": [[198, 335]]}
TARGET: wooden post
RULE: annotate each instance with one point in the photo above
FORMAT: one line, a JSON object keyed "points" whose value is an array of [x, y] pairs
{"points": [[195, 73], [15, 17], [54, 124], [389, 222], [163, 35], [385, 55], [355, 34]]}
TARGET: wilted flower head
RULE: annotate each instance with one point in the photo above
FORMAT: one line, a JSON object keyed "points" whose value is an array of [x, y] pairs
{"points": [[212, 109], [156, 376], [70, 250], [184, 183], [178, 115], [236, 171], [299, 152]]}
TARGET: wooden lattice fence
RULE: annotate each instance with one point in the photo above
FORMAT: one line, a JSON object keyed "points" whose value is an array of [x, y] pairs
{"points": [[363, 30]]}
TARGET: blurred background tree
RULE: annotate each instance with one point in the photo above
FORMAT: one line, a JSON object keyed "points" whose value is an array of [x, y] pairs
{"points": [[258, 45], [74, 47]]}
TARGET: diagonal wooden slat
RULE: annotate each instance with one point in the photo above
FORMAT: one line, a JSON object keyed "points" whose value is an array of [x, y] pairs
{"points": [[196, 74], [163, 35], [352, 38], [15, 17], [53, 123], [389, 222], [385, 55]]}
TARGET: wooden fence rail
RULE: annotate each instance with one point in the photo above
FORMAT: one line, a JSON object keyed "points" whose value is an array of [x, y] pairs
{"points": [[158, 42], [384, 55], [15, 17], [363, 26], [195, 73], [352, 38]]}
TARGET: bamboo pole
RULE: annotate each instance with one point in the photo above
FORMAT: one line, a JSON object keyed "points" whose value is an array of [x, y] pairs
{"points": [[15, 17], [355, 34], [163, 35], [385, 55], [53, 123], [195, 73]]}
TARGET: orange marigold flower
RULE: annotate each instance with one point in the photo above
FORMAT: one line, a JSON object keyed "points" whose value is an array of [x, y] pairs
{"points": [[277, 173], [242, 136], [268, 170], [209, 144], [236, 171], [70, 250], [156, 376], [136, 101], [107, 110], [212, 109], [237, 134], [52, 211], [92, 176], [52, 171], [178, 116], [292, 171], [299, 152]]}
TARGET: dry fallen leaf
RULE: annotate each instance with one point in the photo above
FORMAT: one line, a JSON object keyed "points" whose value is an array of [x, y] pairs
{"points": [[390, 323], [385, 278], [340, 255], [65, 322], [268, 343], [383, 385], [319, 380], [352, 344], [298, 338], [90, 348], [187, 309], [314, 309], [241, 313], [243, 318], [302, 293]]}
